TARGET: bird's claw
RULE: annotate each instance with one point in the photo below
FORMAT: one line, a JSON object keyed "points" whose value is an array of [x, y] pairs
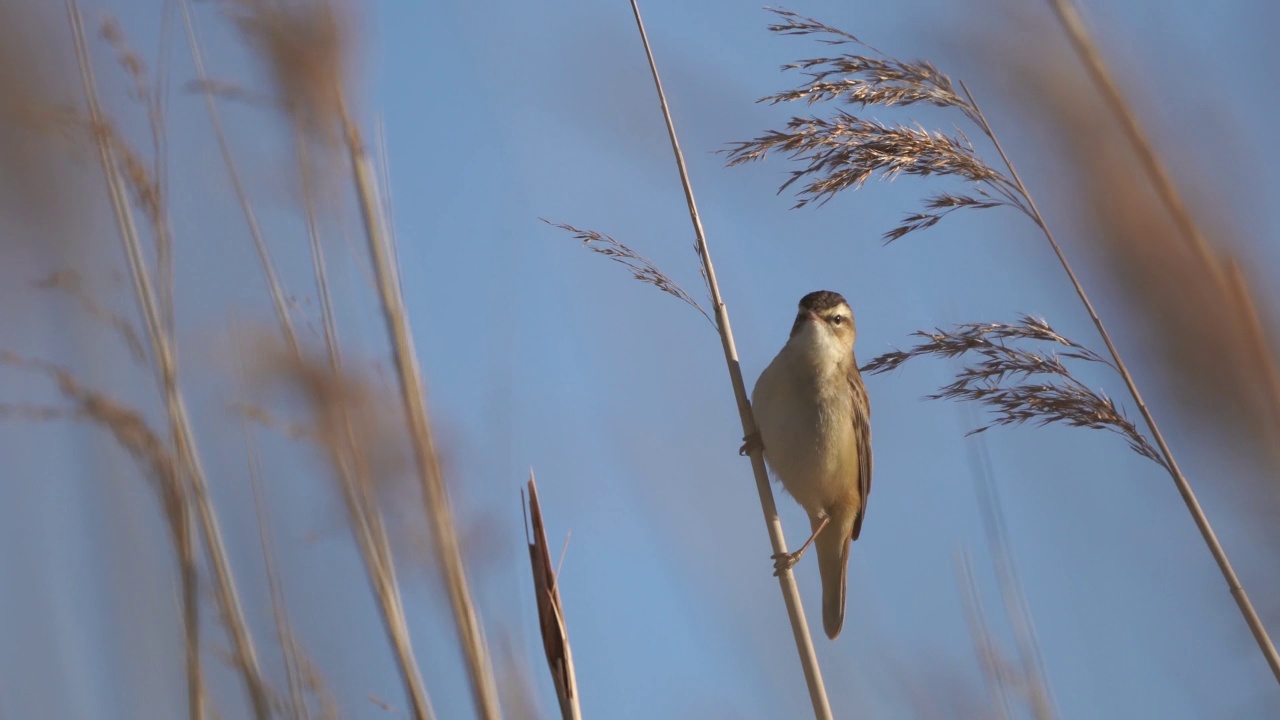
{"points": [[750, 444], [784, 561]]}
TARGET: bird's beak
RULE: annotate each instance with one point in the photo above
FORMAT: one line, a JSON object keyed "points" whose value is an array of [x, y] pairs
{"points": [[813, 316]]}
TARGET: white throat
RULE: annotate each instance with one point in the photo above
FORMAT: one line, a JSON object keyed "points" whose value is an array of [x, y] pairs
{"points": [[817, 345]]}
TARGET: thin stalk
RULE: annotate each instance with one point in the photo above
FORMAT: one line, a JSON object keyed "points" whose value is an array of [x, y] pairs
{"points": [[366, 527], [773, 524], [353, 471], [188, 459], [993, 663], [1184, 487], [1011, 592], [185, 539], [275, 587], [440, 515], [1224, 276], [242, 195]]}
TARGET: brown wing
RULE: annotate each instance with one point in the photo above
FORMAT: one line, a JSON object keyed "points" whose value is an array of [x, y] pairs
{"points": [[862, 436]]}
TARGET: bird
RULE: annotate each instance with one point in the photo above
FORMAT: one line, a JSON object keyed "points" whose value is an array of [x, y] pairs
{"points": [[813, 421]]}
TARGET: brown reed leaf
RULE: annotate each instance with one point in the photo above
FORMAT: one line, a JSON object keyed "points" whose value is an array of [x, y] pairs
{"points": [[555, 635], [641, 268], [1001, 378]]}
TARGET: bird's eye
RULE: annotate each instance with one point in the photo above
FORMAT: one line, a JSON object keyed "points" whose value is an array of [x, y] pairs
{"points": [[837, 320]]}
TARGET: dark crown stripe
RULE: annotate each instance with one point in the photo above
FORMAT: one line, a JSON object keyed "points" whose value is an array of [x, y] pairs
{"points": [[820, 300]]}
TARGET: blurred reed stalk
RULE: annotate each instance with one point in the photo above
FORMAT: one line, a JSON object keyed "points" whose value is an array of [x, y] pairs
{"points": [[346, 452], [413, 395], [337, 398], [164, 355], [1225, 274], [551, 623], [995, 668], [355, 480], [786, 580], [298, 709], [237, 185], [844, 151], [1032, 678]]}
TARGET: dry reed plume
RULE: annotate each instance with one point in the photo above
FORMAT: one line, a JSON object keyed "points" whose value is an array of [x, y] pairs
{"points": [[641, 268], [309, 48], [1018, 385]]}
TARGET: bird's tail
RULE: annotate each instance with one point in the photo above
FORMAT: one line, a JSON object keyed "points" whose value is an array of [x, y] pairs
{"points": [[833, 564]]}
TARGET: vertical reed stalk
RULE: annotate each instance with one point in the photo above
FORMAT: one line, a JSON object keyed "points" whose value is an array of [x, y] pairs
{"points": [[353, 468], [773, 524], [438, 511], [188, 459]]}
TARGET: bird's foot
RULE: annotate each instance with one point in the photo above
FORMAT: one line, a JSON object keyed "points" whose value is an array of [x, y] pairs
{"points": [[751, 443], [785, 561]]}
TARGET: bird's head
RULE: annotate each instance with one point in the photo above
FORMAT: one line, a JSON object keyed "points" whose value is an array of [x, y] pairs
{"points": [[825, 320]]}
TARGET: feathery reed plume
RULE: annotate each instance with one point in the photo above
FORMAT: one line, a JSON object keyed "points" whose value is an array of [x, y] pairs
{"points": [[641, 268], [152, 307], [309, 46], [1002, 378], [555, 634], [842, 152], [845, 151], [773, 524]]}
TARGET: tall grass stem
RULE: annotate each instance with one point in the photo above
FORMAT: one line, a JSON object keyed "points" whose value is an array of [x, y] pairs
{"points": [[166, 366], [786, 580], [1251, 618]]}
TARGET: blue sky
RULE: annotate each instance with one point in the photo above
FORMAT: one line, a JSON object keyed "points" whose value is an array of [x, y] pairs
{"points": [[540, 354]]}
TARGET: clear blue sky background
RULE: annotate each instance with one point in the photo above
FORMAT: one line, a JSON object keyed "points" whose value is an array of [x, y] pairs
{"points": [[541, 354]]}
